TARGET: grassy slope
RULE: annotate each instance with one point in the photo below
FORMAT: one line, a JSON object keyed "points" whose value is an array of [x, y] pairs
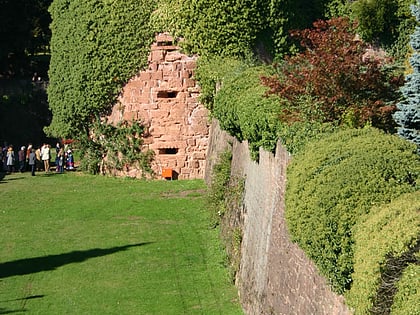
{"points": [[65, 248]]}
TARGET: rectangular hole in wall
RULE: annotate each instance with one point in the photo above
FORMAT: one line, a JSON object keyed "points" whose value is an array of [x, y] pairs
{"points": [[167, 94], [165, 43], [168, 151]]}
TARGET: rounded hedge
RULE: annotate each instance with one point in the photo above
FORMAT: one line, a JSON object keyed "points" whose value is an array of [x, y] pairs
{"points": [[383, 243], [337, 179]]}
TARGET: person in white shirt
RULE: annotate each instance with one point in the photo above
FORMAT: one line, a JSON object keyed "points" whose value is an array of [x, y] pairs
{"points": [[45, 157]]}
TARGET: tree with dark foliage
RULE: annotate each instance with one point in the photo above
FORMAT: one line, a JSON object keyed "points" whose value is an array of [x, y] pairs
{"points": [[332, 80]]}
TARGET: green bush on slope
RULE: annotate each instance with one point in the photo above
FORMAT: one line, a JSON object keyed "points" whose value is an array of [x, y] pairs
{"points": [[244, 111], [383, 242], [336, 180]]}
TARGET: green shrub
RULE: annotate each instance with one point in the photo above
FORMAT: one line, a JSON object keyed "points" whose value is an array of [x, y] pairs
{"points": [[245, 112], [335, 180], [382, 242], [211, 72]]}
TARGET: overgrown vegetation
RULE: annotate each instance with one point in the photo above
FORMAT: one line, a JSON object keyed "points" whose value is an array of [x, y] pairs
{"points": [[331, 81], [333, 182], [244, 111], [96, 46], [225, 200], [119, 147]]}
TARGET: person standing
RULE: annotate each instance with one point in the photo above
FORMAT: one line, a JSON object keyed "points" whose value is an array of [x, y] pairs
{"points": [[10, 159], [38, 163], [22, 159], [57, 150], [28, 151], [32, 161], [45, 156], [60, 161]]}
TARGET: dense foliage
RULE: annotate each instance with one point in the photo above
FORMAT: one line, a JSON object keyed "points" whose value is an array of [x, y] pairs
{"points": [[245, 113], [386, 242], [236, 28], [213, 27], [334, 181], [408, 116], [96, 46], [232, 91], [331, 81]]}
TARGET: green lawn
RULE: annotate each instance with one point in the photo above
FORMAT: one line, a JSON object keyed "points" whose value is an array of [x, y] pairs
{"points": [[79, 244]]}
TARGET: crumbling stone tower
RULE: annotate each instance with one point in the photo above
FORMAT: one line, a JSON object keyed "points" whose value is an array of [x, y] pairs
{"points": [[165, 98]]}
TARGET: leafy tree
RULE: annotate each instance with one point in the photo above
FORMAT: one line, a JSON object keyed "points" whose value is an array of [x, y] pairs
{"points": [[96, 46], [330, 81], [408, 115]]}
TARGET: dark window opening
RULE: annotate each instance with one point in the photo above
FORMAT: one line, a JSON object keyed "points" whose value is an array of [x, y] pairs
{"points": [[167, 94], [167, 43], [168, 151]]}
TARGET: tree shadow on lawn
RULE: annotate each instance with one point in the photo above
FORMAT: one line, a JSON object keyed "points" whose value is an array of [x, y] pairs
{"points": [[51, 262], [6, 311]]}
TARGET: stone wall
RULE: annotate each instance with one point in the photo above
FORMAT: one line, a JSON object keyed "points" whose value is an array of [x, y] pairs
{"points": [[275, 276], [165, 98]]}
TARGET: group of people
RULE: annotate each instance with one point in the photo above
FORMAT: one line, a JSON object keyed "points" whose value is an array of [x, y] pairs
{"points": [[35, 159]]}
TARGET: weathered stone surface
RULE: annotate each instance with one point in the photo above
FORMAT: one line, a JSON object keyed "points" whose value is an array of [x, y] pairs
{"points": [[275, 276], [165, 97]]}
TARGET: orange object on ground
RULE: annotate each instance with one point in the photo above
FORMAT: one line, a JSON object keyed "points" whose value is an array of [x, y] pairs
{"points": [[167, 173]]}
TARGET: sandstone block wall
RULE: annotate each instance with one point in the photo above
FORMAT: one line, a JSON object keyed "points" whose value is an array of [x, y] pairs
{"points": [[275, 276], [165, 98]]}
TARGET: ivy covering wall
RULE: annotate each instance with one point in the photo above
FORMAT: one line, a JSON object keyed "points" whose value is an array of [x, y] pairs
{"points": [[96, 46]]}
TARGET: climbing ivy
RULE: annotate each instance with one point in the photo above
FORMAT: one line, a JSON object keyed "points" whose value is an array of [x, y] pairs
{"points": [[96, 46]]}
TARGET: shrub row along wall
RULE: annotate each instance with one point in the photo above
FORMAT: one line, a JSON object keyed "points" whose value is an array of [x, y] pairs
{"points": [[275, 276]]}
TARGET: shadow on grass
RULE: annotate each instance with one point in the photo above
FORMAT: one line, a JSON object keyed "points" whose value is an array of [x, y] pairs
{"points": [[5, 311], [4, 179], [32, 297], [51, 262]]}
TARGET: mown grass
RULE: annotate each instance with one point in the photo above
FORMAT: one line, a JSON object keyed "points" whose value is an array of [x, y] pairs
{"points": [[79, 244]]}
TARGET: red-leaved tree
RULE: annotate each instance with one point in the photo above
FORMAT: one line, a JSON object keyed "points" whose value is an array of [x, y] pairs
{"points": [[334, 80]]}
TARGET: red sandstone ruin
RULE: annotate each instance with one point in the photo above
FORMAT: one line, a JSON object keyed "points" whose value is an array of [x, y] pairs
{"points": [[165, 98]]}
